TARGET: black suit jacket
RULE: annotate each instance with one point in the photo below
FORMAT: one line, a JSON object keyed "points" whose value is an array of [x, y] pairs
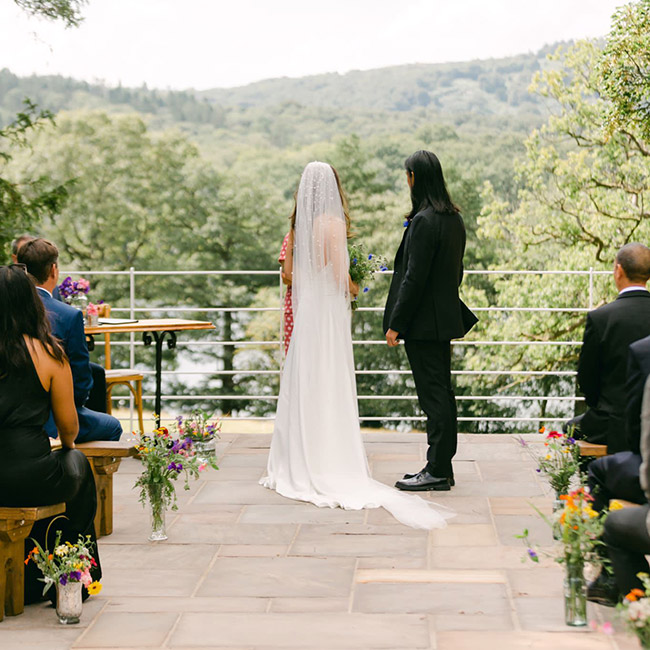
{"points": [[638, 370], [602, 366], [423, 300]]}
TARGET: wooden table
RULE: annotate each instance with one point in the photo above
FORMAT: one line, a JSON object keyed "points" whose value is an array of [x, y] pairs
{"points": [[153, 330]]}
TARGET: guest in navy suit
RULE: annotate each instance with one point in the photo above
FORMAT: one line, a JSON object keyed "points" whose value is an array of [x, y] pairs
{"points": [[41, 258]]}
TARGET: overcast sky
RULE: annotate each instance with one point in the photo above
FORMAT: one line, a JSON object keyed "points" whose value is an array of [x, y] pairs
{"points": [[219, 43]]}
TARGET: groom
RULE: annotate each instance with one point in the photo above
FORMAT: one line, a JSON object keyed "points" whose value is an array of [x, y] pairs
{"points": [[423, 309]]}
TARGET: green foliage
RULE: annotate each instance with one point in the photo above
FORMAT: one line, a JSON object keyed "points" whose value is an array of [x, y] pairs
{"points": [[625, 70], [25, 198], [68, 11]]}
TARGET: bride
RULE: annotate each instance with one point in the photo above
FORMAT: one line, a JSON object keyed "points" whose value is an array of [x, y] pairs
{"points": [[317, 453]]}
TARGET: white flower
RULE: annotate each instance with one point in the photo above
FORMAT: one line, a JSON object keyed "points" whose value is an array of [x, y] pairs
{"points": [[61, 550]]}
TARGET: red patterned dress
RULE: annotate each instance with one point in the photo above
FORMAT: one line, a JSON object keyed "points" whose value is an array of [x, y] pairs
{"points": [[288, 304]]}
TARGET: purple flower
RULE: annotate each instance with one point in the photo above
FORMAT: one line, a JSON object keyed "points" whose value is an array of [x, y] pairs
{"points": [[538, 470], [406, 223], [175, 467], [365, 290], [532, 555], [571, 441], [522, 442], [354, 261], [383, 268], [370, 256], [63, 579], [75, 576]]}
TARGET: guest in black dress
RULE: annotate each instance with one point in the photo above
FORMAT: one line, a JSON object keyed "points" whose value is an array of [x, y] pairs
{"points": [[34, 378]]}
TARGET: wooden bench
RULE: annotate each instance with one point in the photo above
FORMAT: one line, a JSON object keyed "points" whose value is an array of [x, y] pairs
{"points": [[104, 457], [592, 450], [15, 526]]}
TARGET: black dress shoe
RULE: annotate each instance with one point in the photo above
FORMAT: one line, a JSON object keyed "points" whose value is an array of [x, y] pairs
{"points": [[452, 481], [603, 591], [422, 482]]}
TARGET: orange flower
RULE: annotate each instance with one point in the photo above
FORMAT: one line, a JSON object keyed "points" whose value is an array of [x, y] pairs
{"points": [[635, 594], [50, 557], [542, 429], [27, 561]]}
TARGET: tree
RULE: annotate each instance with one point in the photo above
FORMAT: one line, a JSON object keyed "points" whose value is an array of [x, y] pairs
{"points": [[68, 11], [25, 198], [625, 70]]}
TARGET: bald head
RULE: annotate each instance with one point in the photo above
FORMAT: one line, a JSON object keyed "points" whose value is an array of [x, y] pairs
{"points": [[632, 266]]}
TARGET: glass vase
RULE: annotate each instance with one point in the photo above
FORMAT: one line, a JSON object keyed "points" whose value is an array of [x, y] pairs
{"points": [[558, 506], [80, 301], [157, 511], [68, 602], [575, 595], [204, 449]]}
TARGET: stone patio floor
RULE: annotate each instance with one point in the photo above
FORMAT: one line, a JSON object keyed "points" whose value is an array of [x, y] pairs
{"points": [[245, 568]]}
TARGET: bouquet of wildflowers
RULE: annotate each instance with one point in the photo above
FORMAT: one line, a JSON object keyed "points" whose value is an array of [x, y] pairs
{"points": [[561, 461], [198, 427], [580, 528], [164, 459], [635, 611], [70, 288], [67, 563], [363, 266]]}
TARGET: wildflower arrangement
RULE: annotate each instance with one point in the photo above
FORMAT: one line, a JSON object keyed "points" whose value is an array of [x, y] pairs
{"points": [[635, 611], [70, 288], [363, 266], [164, 459], [561, 460], [198, 427], [66, 563], [580, 528]]}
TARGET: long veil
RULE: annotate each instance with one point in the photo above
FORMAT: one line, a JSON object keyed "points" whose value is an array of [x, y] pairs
{"points": [[317, 451]]}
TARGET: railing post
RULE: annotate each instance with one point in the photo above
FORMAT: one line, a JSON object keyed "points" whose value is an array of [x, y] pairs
{"points": [[131, 339], [591, 287]]}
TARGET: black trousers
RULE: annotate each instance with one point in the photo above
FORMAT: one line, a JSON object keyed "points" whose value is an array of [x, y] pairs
{"points": [[97, 397], [615, 477], [431, 366], [627, 541]]}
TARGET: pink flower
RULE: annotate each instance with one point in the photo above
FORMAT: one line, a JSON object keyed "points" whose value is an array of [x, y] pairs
{"points": [[607, 628], [203, 467], [554, 434], [85, 578]]}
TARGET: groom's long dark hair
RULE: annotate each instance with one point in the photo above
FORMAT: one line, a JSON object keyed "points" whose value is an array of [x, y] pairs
{"points": [[429, 188]]}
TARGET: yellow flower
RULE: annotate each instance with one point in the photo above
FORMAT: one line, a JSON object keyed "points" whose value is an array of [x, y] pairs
{"points": [[615, 505], [94, 588], [547, 457]]}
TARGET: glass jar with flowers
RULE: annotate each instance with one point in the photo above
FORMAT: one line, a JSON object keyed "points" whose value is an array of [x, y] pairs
{"points": [[68, 567], [580, 529], [75, 292], [635, 611], [203, 432], [164, 458]]}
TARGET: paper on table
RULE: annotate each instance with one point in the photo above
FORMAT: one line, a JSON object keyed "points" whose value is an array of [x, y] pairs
{"points": [[116, 321]]}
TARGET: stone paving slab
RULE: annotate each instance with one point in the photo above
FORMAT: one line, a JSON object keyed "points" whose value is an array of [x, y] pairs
{"points": [[247, 569]]}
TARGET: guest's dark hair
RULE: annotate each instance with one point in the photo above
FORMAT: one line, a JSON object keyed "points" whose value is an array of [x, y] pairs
{"points": [[18, 242], [38, 255], [22, 313], [634, 258], [429, 189]]}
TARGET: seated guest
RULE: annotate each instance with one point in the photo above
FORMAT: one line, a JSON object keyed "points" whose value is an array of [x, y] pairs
{"points": [[41, 259], [616, 476], [626, 535], [35, 379], [609, 331], [16, 244]]}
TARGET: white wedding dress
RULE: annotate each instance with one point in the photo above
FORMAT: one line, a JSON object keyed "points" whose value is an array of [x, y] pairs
{"points": [[317, 453]]}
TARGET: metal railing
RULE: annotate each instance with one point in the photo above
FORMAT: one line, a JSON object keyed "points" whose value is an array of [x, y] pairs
{"points": [[134, 309]]}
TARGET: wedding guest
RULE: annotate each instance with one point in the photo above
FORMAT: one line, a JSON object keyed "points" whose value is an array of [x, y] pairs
{"points": [[41, 259], [35, 379], [424, 309], [627, 531], [286, 262], [16, 244], [617, 476], [609, 331]]}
